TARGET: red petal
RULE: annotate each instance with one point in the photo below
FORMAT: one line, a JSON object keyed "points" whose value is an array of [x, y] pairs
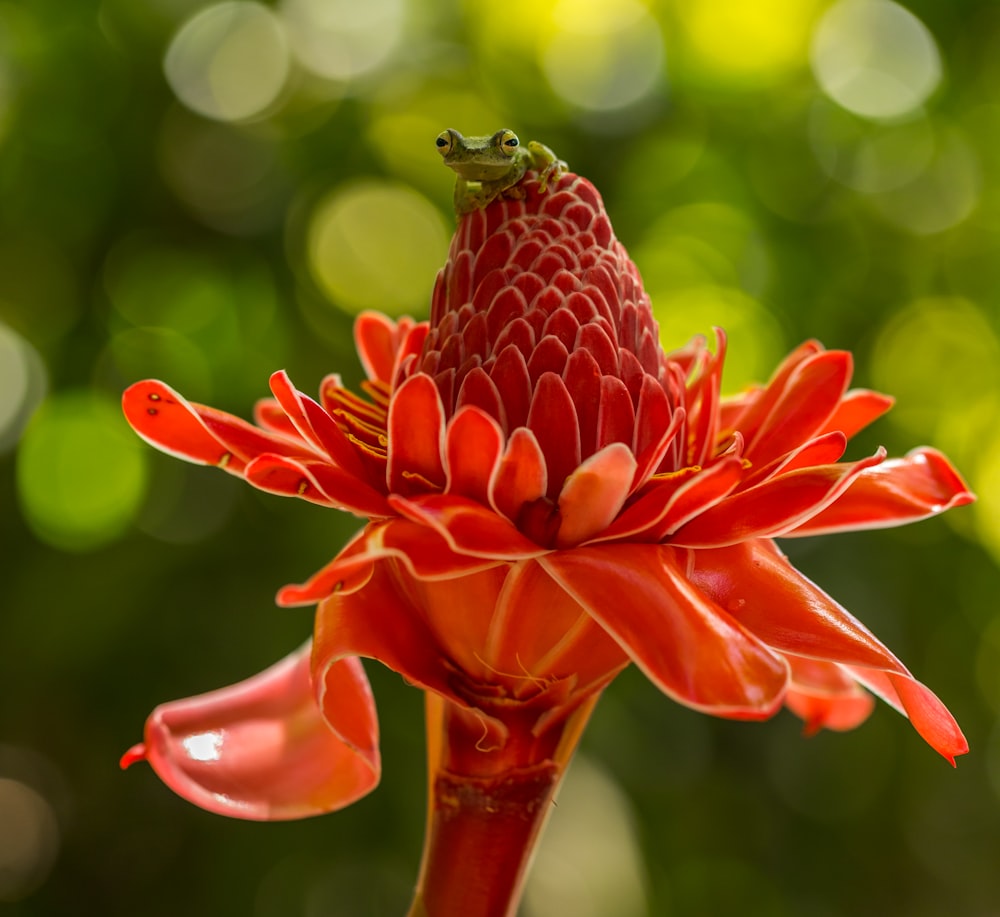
{"points": [[615, 415], [416, 434], [825, 696], [198, 434], [262, 750], [314, 425], [317, 482], [552, 418], [583, 382], [923, 708], [762, 590], [480, 391], [656, 427], [422, 550], [806, 403], [472, 447], [673, 499], [387, 620], [509, 374], [687, 645], [823, 450], [539, 633], [702, 401], [858, 408], [772, 508], [521, 476], [468, 527], [758, 404], [380, 342], [267, 413], [922, 484], [756, 584]]}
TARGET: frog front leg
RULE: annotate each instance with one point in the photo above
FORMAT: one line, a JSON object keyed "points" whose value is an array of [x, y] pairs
{"points": [[546, 163], [474, 195]]}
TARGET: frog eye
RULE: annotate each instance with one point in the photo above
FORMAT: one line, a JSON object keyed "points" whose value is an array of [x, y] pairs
{"points": [[508, 142], [445, 141]]}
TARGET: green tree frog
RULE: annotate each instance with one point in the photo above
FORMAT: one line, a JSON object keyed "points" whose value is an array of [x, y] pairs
{"points": [[489, 166]]}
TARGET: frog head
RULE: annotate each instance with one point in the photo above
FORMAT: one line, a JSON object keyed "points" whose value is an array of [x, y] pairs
{"points": [[481, 158]]}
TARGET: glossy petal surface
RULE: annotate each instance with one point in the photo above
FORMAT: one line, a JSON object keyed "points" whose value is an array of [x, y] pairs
{"points": [[689, 646], [922, 484], [262, 750]]}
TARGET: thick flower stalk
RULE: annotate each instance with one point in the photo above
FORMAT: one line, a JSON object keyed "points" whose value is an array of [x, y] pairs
{"points": [[549, 497]]}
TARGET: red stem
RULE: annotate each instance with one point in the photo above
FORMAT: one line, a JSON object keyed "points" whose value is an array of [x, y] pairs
{"points": [[479, 841], [486, 810]]}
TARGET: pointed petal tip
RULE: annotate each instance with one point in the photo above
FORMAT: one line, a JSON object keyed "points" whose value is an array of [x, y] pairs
{"points": [[925, 710], [957, 747]]}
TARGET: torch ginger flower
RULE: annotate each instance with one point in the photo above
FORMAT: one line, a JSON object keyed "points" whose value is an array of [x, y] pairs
{"points": [[549, 497]]}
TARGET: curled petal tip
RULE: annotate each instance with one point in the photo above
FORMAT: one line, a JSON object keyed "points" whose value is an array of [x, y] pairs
{"points": [[951, 487], [134, 754]]}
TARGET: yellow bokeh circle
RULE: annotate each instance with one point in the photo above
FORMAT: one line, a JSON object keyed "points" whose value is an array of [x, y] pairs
{"points": [[376, 245]]}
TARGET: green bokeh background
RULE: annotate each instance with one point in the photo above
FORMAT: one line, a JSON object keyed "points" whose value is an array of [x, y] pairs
{"points": [[150, 226]]}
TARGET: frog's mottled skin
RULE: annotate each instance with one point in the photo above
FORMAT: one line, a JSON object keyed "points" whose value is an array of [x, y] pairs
{"points": [[489, 166]]}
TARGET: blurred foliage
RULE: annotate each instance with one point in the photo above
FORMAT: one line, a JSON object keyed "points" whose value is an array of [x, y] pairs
{"points": [[206, 192]]}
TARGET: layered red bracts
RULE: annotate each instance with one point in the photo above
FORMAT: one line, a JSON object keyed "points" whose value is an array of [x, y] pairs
{"points": [[549, 497]]}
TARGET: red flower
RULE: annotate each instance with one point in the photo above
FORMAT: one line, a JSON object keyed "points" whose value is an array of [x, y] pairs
{"points": [[549, 497]]}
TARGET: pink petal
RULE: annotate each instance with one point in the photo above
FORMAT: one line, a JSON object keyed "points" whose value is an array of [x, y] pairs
{"points": [[262, 750], [922, 484], [594, 493], [686, 644]]}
